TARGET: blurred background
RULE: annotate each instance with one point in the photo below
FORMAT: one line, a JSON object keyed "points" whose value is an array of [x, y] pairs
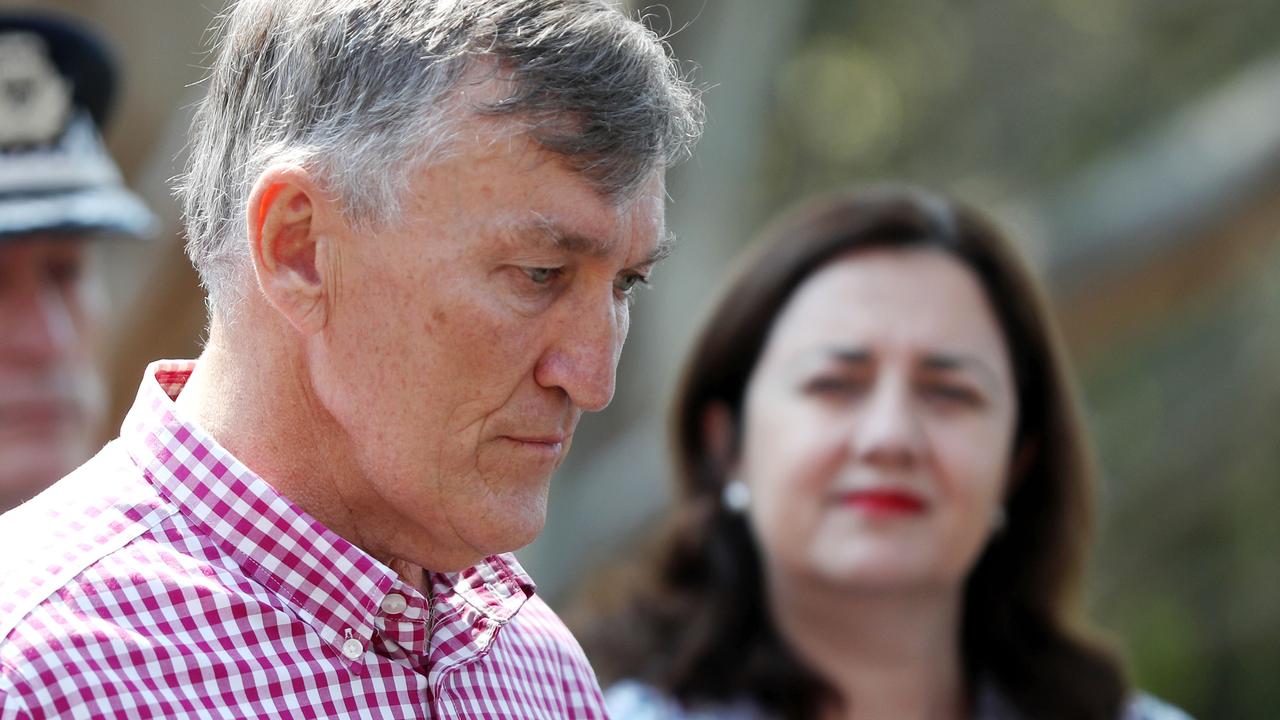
{"points": [[1132, 147]]}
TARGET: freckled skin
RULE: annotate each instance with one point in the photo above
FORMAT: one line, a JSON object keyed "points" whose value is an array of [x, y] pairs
{"points": [[442, 352], [884, 423]]}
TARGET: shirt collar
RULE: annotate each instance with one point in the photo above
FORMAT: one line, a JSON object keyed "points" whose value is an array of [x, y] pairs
{"points": [[337, 588]]}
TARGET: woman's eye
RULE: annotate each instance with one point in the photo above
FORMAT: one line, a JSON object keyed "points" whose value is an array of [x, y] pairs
{"points": [[952, 394], [832, 386]]}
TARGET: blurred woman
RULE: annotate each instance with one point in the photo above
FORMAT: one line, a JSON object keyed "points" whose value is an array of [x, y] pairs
{"points": [[884, 490]]}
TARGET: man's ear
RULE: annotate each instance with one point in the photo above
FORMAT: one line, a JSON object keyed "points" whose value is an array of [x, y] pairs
{"points": [[289, 249]]}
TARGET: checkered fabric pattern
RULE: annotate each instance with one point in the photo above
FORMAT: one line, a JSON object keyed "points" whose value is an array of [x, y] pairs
{"points": [[165, 579]]}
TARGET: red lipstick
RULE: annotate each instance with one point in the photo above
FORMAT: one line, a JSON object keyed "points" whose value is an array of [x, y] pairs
{"points": [[884, 502]]}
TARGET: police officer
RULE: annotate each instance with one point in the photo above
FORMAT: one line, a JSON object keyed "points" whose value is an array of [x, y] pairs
{"points": [[60, 192]]}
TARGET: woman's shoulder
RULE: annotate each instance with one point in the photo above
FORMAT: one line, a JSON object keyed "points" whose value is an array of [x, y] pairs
{"points": [[632, 700], [993, 705], [635, 700], [1146, 707]]}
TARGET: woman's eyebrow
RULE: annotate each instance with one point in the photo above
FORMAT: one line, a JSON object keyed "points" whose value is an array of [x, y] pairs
{"points": [[936, 361], [953, 362], [849, 355]]}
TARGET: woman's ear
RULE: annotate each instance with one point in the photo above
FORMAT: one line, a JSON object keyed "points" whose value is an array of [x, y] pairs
{"points": [[720, 432], [1024, 458]]}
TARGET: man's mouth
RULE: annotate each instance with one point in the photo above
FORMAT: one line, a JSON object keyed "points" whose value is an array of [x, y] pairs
{"points": [[552, 443]]}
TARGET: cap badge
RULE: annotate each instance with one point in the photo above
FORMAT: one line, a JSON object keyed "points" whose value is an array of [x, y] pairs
{"points": [[35, 99]]}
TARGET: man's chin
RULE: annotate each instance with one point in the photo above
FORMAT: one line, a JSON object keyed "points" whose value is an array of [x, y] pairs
{"points": [[508, 530], [481, 548], [518, 534]]}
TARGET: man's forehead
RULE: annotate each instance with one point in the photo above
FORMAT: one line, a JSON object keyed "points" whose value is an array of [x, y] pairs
{"points": [[529, 194], [650, 196], [644, 210]]}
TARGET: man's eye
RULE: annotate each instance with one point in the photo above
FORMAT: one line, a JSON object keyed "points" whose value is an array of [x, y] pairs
{"points": [[630, 282], [542, 276]]}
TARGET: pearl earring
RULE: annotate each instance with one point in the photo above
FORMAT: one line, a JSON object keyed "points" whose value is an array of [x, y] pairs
{"points": [[736, 496]]}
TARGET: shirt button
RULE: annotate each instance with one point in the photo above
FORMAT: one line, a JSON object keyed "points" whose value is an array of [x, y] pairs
{"points": [[352, 648], [394, 603]]}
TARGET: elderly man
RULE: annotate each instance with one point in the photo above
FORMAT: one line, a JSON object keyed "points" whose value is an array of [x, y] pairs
{"points": [[59, 191], [419, 224]]}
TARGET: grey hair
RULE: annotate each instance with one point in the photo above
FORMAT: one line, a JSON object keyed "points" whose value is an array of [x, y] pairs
{"points": [[362, 92]]}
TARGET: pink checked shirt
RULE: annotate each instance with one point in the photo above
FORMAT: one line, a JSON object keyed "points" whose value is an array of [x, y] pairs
{"points": [[165, 579]]}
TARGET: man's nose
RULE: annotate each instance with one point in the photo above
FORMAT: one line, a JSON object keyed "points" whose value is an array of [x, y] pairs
{"points": [[583, 358], [37, 323], [888, 432]]}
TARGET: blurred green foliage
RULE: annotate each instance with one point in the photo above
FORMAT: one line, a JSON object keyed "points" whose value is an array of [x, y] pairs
{"points": [[993, 96], [1187, 418]]}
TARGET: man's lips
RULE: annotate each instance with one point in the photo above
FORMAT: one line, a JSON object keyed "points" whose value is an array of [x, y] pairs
{"points": [[546, 443], [882, 501]]}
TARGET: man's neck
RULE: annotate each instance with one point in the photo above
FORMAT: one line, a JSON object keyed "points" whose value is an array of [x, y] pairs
{"points": [[887, 654], [261, 409]]}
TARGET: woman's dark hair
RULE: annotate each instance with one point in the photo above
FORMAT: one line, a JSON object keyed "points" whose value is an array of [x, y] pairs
{"points": [[696, 623]]}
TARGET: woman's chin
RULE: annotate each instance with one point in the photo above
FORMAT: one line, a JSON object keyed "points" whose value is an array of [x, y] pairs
{"points": [[880, 572]]}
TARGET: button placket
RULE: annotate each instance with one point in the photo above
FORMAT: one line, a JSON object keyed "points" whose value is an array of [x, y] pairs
{"points": [[394, 604], [403, 623], [352, 648]]}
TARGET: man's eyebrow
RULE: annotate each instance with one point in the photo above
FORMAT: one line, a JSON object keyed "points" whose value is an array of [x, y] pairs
{"points": [[577, 243], [547, 231], [666, 246]]}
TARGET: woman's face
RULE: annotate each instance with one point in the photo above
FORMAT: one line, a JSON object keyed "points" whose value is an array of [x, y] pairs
{"points": [[879, 425]]}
